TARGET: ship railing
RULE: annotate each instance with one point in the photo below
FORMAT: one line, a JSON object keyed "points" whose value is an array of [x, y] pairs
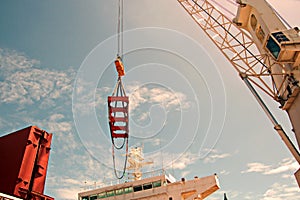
{"points": [[105, 183]]}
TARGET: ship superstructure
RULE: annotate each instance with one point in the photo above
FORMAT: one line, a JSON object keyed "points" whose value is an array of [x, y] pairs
{"points": [[158, 187]]}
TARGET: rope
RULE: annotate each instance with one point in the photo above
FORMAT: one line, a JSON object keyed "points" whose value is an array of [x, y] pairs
{"points": [[120, 29], [232, 2], [122, 2], [118, 147], [119, 91], [220, 5], [281, 18], [125, 162]]}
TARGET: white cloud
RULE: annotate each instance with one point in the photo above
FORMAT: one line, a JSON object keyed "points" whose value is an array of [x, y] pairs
{"points": [[66, 193], [34, 85], [86, 98], [257, 167], [224, 172], [172, 160], [286, 165], [185, 173], [212, 158], [80, 172], [6, 123], [156, 141], [13, 60], [212, 155], [279, 191], [157, 95], [182, 161], [64, 187], [23, 83], [57, 124], [181, 164]]}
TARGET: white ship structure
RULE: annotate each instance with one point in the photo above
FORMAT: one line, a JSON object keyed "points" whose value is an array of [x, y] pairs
{"points": [[162, 187]]}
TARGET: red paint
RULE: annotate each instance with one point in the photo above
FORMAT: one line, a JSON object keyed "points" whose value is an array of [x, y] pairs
{"points": [[118, 116], [24, 157]]}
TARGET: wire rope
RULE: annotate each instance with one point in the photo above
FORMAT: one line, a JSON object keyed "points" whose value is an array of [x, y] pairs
{"points": [[119, 91]]}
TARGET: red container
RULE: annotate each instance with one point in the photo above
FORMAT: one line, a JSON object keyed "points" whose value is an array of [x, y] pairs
{"points": [[24, 157]]}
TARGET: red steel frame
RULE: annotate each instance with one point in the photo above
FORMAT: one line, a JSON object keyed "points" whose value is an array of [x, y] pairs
{"points": [[24, 157]]}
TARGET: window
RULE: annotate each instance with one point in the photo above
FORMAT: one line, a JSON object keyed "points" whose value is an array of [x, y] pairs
{"points": [[110, 193], [280, 37], [157, 184], [147, 186], [260, 34], [273, 47], [102, 195], [137, 188], [119, 191], [253, 22], [93, 197], [85, 198], [128, 190]]}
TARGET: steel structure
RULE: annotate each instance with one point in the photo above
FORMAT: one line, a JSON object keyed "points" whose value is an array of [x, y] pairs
{"points": [[262, 50], [156, 188], [24, 157]]}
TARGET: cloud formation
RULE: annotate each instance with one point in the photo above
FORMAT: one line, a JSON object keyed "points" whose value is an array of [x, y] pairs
{"points": [[286, 165], [279, 191], [157, 95], [167, 160], [11, 60], [212, 155], [23, 83], [35, 95]]}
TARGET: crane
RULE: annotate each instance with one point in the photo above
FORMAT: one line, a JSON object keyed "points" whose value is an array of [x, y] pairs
{"points": [[264, 52]]}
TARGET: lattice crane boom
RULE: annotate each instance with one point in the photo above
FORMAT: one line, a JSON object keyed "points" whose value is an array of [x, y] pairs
{"points": [[262, 50], [282, 47]]}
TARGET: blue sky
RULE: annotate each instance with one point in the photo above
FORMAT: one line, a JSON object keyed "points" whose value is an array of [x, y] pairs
{"points": [[188, 107]]}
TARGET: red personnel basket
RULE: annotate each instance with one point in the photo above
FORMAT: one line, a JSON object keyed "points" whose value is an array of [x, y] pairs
{"points": [[118, 116]]}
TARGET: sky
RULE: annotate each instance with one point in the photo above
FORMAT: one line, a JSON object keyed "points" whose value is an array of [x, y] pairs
{"points": [[188, 107]]}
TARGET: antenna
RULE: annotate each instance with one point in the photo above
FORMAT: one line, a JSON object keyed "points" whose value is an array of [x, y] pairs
{"points": [[162, 157], [135, 160]]}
